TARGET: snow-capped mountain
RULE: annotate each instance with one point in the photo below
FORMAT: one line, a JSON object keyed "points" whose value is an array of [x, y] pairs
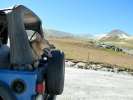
{"points": [[114, 35]]}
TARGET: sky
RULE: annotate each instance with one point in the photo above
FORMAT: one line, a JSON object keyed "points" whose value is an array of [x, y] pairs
{"points": [[81, 16]]}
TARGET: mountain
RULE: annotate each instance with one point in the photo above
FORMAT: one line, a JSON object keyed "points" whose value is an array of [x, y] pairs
{"points": [[57, 34], [115, 35], [61, 34]]}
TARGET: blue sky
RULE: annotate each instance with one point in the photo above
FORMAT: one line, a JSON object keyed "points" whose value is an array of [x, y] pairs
{"points": [[81, 16]]}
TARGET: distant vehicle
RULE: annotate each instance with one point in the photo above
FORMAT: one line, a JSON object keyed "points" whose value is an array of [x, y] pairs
{"points": [[107, 46], [20, 77]]}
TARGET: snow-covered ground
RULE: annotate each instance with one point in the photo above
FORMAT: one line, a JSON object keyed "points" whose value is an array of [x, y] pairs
{"points": [[83, 84]]}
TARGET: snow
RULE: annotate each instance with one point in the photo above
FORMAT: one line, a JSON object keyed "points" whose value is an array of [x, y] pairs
{"points": [[99, 36], [83, 84], [123, 36]]}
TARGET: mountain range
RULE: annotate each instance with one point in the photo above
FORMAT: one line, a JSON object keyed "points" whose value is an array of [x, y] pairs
{"points": [[56, 33], [116, 34]]}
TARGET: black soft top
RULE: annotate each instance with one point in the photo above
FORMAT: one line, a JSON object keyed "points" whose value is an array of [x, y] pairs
{"points": [[30, 19], [13, 24]]}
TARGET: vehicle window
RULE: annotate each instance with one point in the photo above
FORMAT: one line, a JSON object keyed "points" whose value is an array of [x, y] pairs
{"points": [[32, 35]]}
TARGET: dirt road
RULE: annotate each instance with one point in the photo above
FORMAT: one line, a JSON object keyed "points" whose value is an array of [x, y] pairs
{"points": [[96, 85]]}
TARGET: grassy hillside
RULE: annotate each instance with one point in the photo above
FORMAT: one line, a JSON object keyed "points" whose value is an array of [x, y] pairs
{"points": [[86, 51]]}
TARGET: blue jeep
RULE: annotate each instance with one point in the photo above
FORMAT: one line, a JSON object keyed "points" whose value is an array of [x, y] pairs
{"points": [[20, 79]]}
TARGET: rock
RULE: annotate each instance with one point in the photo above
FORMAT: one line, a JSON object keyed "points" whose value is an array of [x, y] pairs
{"points": [[69, 64], [86, 67], [111, 70], [131, 73], [116, 70], [124, 72], [99, 66], [93, 66], [104, 69], [80, 65], [122, 69]]}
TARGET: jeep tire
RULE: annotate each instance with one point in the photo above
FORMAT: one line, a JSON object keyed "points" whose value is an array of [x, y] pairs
{"points": [[55, 73]]}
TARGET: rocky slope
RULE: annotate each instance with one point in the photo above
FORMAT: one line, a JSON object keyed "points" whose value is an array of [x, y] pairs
{"points": [[115, 35]]}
